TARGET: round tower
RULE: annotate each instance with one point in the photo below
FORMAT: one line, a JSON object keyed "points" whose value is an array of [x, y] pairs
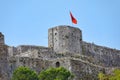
{"points": [[65, 39], [1, 38]]}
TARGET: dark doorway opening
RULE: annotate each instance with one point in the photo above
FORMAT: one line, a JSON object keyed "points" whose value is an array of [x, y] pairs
{"points": [[57, 64]]}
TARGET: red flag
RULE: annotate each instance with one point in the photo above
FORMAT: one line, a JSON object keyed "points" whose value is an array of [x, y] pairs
{"points": [[73, 19]]}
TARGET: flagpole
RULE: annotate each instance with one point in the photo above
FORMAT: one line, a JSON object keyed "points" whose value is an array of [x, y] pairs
{"points": [[71, 24], [70, 19]]}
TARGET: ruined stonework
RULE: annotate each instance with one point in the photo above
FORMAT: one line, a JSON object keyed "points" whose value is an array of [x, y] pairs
{"points": [[65, 48], [65, 39], [1, 38]]}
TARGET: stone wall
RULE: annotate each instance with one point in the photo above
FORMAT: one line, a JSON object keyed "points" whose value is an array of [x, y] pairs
{"points": [[1, 38], [24, 48], [64, 62], [45, 53], [37, 64], [29, 49], [12, 51], [65, 39], [85, 71], [3, 62], [33, 63], [100, 55]]}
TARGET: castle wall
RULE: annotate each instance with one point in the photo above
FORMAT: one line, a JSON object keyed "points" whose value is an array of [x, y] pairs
{"points": [[64, 62], [45, 53], [65, 39], [37, 64], [1, 38], [84, 70], [51, 38], [3, 63], [12, 51], [102, 55], [24, 48], [33, 63]]}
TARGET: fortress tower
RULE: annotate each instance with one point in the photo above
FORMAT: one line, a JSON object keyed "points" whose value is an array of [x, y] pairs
{"points": [[65, 39], [1, 38]]}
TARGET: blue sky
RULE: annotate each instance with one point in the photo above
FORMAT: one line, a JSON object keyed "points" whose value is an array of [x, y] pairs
{"points": [[27, 21]]}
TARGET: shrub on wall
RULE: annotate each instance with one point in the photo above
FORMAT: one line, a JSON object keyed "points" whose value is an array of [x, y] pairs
{"points": [[115, 75], [24, 73], [59, 73]]}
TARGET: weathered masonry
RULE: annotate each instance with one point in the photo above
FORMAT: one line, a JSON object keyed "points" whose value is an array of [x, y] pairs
{"points": [[65, 48]]}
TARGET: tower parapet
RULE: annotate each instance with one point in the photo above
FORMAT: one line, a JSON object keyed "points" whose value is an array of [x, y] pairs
{"points": [[65, 39], [1, 38]]}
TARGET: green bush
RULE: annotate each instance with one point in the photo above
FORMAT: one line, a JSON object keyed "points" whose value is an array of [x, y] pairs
{"points": [[115, 75], [24, 73], [59, 73]]}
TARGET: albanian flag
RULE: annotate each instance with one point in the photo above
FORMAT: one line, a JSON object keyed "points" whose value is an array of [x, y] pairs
{"points": [[73, 19]]}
